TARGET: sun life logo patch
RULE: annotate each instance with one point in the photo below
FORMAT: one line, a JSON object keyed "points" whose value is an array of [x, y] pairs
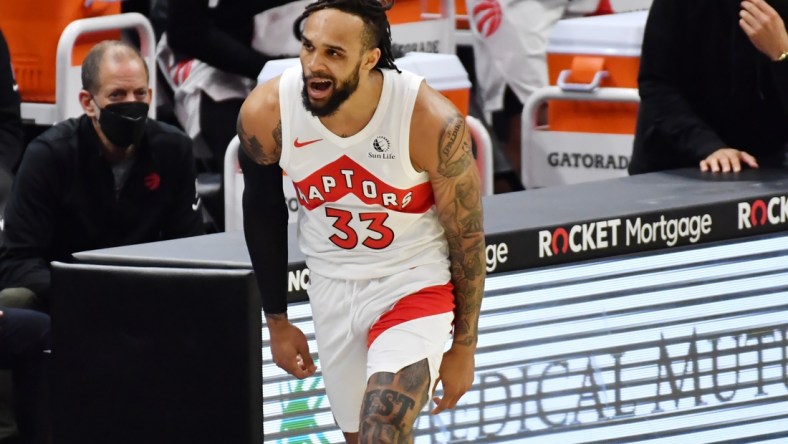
{"points": [[381, 144]]}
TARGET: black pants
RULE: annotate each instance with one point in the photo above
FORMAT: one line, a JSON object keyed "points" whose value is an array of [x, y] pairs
{"points": [[24, 336], [218, 121]]}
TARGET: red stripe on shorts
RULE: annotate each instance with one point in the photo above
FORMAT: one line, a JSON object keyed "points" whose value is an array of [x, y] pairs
{"points": [[426, 302]]}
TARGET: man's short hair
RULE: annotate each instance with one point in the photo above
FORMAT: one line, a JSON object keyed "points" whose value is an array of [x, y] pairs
{"points": [[92, 63]]}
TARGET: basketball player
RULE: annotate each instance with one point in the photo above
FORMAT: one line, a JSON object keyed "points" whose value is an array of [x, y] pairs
{"points": [[390, 222]]}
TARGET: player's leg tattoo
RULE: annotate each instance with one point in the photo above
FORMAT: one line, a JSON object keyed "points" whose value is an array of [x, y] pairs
{"points": [[392, 403]]}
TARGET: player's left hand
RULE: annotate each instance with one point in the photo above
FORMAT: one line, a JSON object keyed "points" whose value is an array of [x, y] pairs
{"points": [[456, 374], [764, 27]]}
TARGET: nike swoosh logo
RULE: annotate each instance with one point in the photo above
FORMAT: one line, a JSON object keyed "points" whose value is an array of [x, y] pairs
{"points": [[298, 144]]}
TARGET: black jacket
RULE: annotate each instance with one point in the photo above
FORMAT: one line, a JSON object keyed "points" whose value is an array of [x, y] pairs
{"points": [[220, 36], [10, 118], [63, 199], [704, 86]]}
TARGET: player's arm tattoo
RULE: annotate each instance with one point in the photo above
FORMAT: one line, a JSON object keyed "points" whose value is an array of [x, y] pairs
{"points": [[392, 403], [454, 155], [254, 148], [462, 221]]}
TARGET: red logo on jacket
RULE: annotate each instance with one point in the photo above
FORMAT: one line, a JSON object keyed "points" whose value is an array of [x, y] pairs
{"points": [[152, 181]]}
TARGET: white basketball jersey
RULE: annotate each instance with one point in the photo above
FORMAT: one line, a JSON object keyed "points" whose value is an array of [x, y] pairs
{"points": [[365, 212]]}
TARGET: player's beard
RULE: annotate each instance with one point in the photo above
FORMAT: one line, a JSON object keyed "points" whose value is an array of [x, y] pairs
{"points": [[342, 91]]}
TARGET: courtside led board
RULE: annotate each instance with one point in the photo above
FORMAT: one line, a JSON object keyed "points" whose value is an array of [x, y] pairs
{"points": [[685, 345]]}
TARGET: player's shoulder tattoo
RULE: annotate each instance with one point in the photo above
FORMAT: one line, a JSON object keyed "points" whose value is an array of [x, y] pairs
{"points": [[254, 149], [454, 147]]}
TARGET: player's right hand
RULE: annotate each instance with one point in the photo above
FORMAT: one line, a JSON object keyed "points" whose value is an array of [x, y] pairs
{"points": [[290, 350]]}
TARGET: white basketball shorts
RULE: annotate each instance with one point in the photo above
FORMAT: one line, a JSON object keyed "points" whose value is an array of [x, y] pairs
{"points": [[363, 327]]}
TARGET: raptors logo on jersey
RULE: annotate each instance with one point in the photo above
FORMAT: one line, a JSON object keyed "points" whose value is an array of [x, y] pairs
{"points": [[365, 211], [344, 176]]}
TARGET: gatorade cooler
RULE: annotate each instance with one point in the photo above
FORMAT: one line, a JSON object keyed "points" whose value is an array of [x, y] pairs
{"points": [[444, 72], [422, 26], [407, 11], [33, 28], [592, 102]]}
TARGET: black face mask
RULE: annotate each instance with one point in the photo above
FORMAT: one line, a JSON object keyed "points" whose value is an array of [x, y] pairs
{"points": [[124, 122]]}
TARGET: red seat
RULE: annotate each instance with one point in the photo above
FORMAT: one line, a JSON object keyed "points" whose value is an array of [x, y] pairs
{"points": [[33, 29]]}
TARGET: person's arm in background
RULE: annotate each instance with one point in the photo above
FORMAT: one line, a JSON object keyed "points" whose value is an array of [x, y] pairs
{"points": [[191, 32], [444, 152], [265, 223], [11, 134], [29, 222], [185, 217], [663, 106], [765, 28]]}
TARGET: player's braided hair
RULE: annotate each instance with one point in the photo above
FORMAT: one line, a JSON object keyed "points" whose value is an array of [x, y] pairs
{"points": [[377, 31]]}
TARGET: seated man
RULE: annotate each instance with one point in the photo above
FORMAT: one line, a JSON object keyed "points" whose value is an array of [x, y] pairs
{"points": [[110, 177], [11, 144], [24, 349], [713, 86]]}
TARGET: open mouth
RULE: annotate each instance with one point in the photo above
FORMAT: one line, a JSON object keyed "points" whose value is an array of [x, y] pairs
{"points": [[319, 88]]}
